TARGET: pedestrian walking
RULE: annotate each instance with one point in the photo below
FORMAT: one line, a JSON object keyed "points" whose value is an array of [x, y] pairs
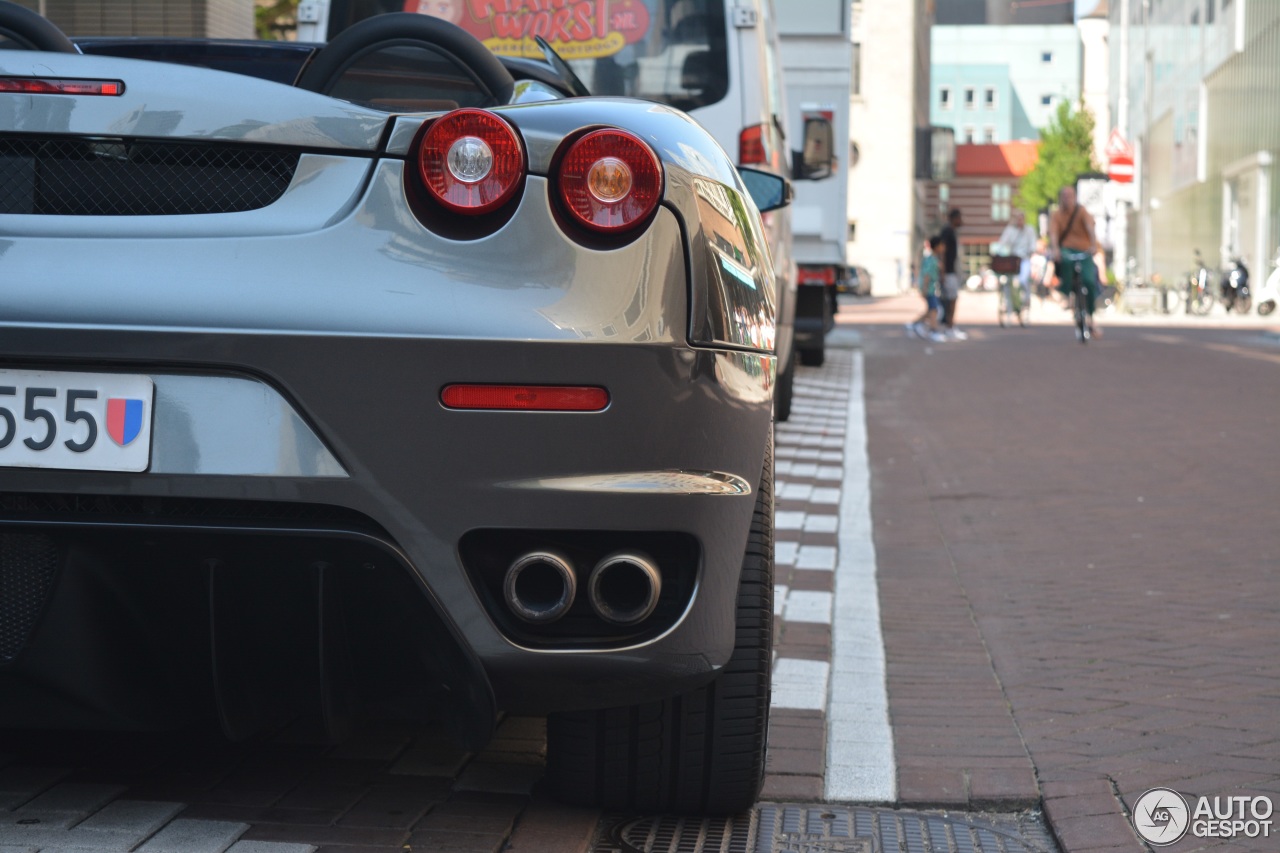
{"points": [[951, 274], [926, 325]]}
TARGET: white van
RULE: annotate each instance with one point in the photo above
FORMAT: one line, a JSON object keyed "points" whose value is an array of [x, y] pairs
{"points": [[718, 60]]}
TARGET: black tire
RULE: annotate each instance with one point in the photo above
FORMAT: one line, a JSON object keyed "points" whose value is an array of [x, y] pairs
{"points": [[813, 357], [785, 391], [1200, 304], [1243, 303], [1265, 308], [701, 752]]}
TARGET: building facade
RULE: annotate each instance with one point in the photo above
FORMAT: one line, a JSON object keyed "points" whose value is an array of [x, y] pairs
{"points": [[177, 18], [987, 178], [1001, 12], [994, 84], [1203, 106], [890, 106]]}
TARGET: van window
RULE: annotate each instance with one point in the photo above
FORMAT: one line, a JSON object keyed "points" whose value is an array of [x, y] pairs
{"points": [[671, 51], [679, 58]]}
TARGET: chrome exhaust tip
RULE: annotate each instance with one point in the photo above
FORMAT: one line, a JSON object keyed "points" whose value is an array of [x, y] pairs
{"points": [[624, 588], [539, 587]]}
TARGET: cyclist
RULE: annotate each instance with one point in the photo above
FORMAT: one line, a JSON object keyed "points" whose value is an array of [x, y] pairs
{"points": [[1072, 239], [1019, 239]]}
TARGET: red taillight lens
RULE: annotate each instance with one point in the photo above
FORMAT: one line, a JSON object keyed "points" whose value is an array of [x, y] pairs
{"points": [[610, 180], [471, 161], [529, 398], [751, 146], [60, 86]]}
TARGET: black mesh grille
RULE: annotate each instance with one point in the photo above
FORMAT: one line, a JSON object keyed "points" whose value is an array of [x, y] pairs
{"points": [[74, 176], [28, 563]]}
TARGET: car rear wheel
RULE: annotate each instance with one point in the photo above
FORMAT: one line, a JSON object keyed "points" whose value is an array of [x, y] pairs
{"points": [[813, 357], [785, 390], [702, 752]]}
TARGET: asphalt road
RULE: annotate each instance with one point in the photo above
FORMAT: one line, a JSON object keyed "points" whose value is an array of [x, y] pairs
{"points": [[1078, 563], [1078, 571]]}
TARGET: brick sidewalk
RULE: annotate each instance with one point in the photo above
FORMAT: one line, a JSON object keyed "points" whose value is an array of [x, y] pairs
{"points": [[1077, 569]]}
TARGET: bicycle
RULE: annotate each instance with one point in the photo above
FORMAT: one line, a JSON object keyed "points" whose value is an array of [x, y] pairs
{"points": [[1007, 269], [1199, 289], [1079, 295]]}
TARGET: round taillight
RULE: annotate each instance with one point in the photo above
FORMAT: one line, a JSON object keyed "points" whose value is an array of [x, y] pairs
{"points": [[610, 180], [471, 161]]}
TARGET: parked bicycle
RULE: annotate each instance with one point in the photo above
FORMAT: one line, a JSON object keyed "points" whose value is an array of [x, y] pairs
{"points": [[1199, 288]]}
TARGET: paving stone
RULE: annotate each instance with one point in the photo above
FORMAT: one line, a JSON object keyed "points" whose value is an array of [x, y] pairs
{"points": [[800, 684], [195, 836], [807, 606], [502, 778], [269, 847]]}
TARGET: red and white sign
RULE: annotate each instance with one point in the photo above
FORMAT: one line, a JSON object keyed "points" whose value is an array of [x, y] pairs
{"points": [[1120, 169], [1120, 159]]}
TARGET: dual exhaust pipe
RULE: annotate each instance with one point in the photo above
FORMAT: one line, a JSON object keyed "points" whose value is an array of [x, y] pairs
{"points": [[541, 586]]}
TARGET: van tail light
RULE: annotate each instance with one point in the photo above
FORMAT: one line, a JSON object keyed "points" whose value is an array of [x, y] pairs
{"points": [[471, 161], [751, 149], [610, 180], [816, 275]]}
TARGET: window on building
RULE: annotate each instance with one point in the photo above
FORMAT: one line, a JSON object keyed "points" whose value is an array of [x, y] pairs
{"points": [[970, 97], [944, 97], [1195, 18], [968, 136], [989, 134], [1046, 56], [944, 196], [1209, 11], [1001, 195], [1046, 100], [989, 98], [856, 70]]}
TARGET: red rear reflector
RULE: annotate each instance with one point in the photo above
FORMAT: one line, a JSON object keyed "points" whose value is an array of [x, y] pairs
{"points": [[751, 146], [60, 86], [530, 398]]}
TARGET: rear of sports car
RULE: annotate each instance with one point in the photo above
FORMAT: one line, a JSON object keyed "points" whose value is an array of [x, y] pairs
{"points": [[311, 411]]}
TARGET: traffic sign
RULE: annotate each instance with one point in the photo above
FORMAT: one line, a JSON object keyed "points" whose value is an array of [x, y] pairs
{"points": [[1120, 168], [1118, 146]]}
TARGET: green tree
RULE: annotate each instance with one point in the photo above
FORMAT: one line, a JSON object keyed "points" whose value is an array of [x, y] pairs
{"points": [[274, 18], [1066, 150]]}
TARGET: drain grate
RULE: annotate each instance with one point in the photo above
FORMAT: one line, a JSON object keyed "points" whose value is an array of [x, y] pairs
{"points": [[787, 828]]}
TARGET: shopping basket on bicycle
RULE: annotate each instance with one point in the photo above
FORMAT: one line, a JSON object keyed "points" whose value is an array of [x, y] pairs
{"points": [[1006, 264]]}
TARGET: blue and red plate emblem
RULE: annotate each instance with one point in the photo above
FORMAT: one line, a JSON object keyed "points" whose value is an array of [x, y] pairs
{"points": [[124, 419]]}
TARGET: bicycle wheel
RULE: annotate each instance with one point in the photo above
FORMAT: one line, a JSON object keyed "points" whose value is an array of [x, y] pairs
{"points": [[1200, 303]]}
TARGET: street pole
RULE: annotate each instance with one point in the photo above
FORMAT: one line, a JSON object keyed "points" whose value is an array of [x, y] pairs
{"points": [[1144, 150]]}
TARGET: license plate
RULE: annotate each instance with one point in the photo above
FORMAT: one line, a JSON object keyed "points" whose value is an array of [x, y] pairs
{"points": [[75, 421]]}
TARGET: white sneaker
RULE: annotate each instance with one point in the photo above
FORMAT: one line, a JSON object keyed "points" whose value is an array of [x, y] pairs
{"points": [[911, 330], [957, 335], [938, 337]]}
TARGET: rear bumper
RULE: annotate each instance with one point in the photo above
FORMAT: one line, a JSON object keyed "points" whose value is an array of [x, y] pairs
{"points": [[358, 352]]}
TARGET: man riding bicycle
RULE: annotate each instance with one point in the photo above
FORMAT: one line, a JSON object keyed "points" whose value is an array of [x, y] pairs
{"points": [[1073, 242]]}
